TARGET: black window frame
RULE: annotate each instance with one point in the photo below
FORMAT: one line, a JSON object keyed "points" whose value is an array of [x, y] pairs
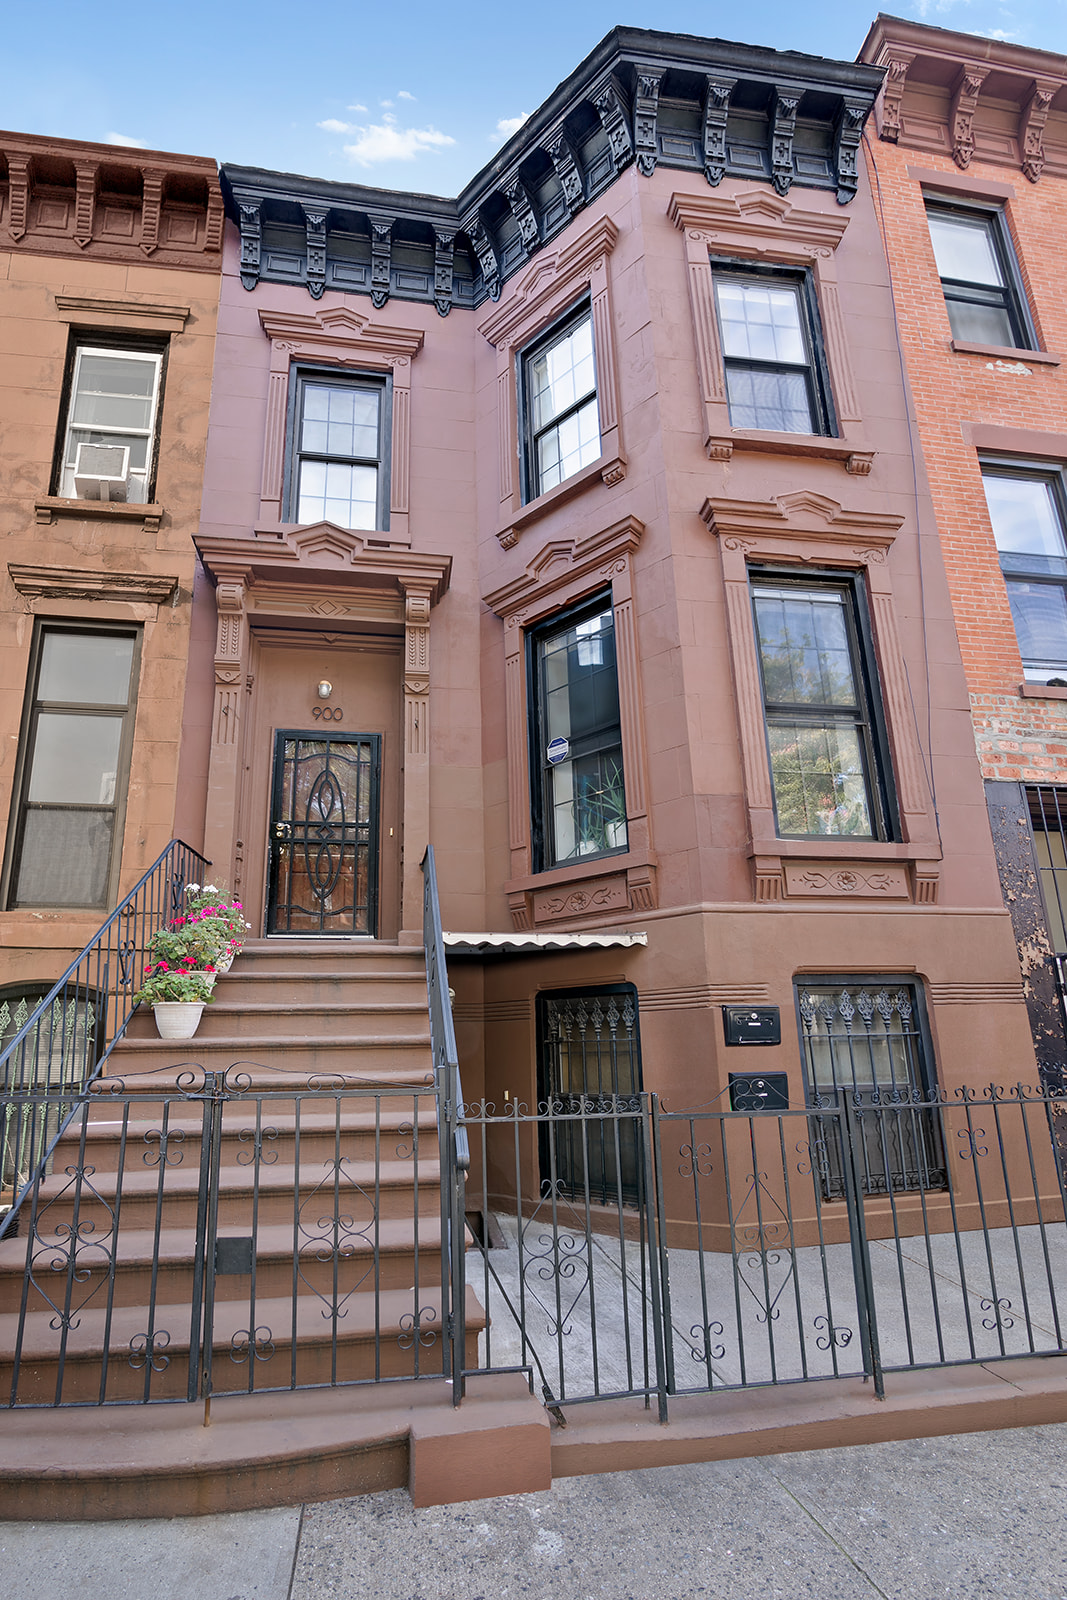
{"points": [[31, 708], [1012, 298], [305, 374], [559, 329], [544, 858], [147, 344], [1030, 567], [870, 716], [816, 369]]}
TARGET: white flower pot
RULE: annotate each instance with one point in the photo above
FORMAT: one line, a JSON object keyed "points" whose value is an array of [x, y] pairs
{"points": [[225, 962], [177, 1019]]}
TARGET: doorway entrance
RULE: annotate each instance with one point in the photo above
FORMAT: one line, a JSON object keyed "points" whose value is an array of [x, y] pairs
{"points": [[323, 836]]}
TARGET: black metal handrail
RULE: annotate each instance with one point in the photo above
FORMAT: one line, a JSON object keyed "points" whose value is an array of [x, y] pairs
{"points": [[451, 1126], [66, 1039]]}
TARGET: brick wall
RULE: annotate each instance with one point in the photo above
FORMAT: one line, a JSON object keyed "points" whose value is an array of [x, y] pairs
{"points": [[1017, 737]]}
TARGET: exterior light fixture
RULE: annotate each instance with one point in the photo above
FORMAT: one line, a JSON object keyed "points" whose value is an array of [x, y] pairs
{"points": [[325, 689]]}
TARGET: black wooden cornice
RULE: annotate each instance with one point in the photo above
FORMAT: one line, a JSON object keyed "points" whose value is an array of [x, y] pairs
{"points": [[657, 99]]}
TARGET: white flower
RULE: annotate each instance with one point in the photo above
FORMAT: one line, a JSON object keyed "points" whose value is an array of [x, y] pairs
{"points": [[211, 888], [192, 888]]}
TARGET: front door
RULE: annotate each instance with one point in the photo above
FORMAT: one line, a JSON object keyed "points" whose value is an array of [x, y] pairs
{"points": [[323, 860]]}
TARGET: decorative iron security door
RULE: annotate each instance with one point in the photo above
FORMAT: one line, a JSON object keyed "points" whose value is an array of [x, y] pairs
{"points": [[324, 834], [590, 1064]]}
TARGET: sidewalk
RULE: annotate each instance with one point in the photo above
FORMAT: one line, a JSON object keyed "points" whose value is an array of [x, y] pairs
{"points": [[972, 1515]]}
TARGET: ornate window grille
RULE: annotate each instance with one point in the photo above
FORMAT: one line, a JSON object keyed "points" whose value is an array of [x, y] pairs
{"points": [[591, 1081]]}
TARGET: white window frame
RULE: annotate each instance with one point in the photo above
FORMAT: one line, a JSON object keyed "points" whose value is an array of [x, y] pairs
{"points": [[142, 479]]}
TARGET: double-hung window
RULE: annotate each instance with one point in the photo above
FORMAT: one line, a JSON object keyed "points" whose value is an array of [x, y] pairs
{"points": [[76, 755], [976, 264], [339, 457], [1028, 508], [579, 799], [827, 756], [562, 422], [774, 374], [109, 432]]}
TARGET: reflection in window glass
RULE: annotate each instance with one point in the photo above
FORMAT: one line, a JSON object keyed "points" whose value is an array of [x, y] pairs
{"points": [[971, 250], [564, 421], [818, 734], [337, 465], [765, 350], [1026, 511]]}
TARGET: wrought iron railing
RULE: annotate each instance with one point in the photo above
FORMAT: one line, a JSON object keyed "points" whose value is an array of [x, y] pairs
{"points": [[452, 1131], [62, 1044]]}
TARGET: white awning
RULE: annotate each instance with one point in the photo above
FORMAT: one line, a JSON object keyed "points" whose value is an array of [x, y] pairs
{"points": [[529, 943]]}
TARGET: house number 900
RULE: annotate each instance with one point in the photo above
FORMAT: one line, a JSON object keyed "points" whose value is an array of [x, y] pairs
{"points": [[327, 713]]}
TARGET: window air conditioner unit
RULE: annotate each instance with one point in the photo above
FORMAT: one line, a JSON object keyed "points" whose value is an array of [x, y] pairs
{"points": [[102, 471]]}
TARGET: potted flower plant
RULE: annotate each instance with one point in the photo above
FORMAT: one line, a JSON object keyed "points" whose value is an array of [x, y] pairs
{"points": [[216, 922], [177, 994]]}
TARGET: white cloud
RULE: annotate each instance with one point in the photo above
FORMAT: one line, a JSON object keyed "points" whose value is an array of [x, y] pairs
{"points": [[402, 94], [386, 105], [127, 140], [357, 108], [385, 141], [331, 125], [997, 33], [509, 125]]}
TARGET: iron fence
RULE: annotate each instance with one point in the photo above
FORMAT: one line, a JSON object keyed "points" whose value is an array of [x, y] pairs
{"points": [[214, 1237], [759, 1252], [58, 1047]]}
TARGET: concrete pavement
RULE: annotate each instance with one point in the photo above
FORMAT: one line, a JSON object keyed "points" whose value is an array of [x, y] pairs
{"points": [[972, 1515]]}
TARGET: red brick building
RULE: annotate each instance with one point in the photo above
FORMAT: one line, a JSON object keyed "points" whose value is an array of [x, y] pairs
{"points": [[968, 160]]}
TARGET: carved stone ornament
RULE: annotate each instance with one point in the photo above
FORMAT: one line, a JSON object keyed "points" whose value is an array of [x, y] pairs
{"points": [[444, 261], [893, 95], [250, 245], [716, 111], [483, 249], [570, 179], [854, 880], [381, 237], [609, 107], [849, 134], [646, 110], [315, 222], [783, 127], [964, 106], [1032, 129], [523, 212]]}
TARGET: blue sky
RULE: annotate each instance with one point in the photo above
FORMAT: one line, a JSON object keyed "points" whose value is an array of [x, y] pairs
{"points": [[413, 96]]}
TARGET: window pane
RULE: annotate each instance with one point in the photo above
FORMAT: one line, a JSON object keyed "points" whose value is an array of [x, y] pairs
{"points": [[561, 375], [85, 669], [568, 447], [581, 684], [1024, 514], [819, 783], [75, 759], [333, 491], [65, 858], [340, 421], [980, 324], [588, 805], [114, 391], [778, 401], [804, 648], [1039, 611], [963, 248], [761, 322]]}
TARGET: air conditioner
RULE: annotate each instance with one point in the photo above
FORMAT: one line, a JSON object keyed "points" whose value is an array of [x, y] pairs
{"points": [[102, 471]]}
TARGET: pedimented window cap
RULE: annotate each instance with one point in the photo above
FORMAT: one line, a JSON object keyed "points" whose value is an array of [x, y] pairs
{"points": [[758, 218], [803, 513], [553, 274], [85, 311], [561, 561], [341, 328], [80, 583]]}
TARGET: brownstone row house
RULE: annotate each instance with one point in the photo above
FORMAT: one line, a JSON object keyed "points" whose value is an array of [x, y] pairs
{"points": [[586, 511], [580, 527], [969, 155], [109, 288]]}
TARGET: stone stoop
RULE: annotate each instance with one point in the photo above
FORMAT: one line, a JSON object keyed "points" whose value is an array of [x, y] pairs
{"points": [[289, 1014]]}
